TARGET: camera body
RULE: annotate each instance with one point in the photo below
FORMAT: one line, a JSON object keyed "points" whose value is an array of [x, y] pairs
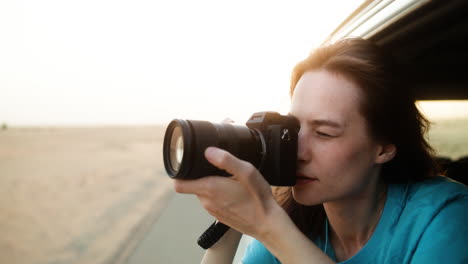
{"points": [[268, 142], [279, 134]]}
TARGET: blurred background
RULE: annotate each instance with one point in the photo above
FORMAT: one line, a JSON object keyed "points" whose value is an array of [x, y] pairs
{"points": [[145, 62], [87, 88]]}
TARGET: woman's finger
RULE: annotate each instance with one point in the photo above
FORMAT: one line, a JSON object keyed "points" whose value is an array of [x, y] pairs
{"points": [[227, 120], [241, 170], [201, 186]]}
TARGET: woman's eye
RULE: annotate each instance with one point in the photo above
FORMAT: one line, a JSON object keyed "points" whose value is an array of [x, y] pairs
{"points": [[322, 134]]}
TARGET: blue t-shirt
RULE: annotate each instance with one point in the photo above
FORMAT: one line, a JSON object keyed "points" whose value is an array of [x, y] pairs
{"points": [[425, 222]]}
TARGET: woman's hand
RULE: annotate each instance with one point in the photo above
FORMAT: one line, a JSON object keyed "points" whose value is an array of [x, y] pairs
{"points": [[244, 201]]}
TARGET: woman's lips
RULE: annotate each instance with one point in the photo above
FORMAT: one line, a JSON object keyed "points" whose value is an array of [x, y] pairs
{"points": [[302, 179]]}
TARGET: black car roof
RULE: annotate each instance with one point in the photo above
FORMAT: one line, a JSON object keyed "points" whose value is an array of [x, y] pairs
{"points": [[429, 40]]}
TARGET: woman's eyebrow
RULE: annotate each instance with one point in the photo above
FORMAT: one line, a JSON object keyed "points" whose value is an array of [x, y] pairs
{"points": [[325, 122], [319, 122]]}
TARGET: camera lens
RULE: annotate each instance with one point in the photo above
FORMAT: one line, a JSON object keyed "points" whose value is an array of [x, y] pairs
{"points": [[176, 148], [185, 142]]}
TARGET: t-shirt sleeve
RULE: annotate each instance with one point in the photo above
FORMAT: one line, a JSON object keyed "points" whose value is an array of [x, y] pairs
{"points": [[257, 253], [446, 237]]}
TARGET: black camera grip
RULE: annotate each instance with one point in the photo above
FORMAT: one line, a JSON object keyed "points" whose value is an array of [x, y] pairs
{"points": [[212, 235]]}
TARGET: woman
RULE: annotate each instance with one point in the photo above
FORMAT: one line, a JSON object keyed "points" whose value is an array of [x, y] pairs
{"points": [[366, 189]]}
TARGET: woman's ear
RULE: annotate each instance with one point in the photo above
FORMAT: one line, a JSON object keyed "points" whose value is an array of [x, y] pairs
{"points": [[385, 153]]}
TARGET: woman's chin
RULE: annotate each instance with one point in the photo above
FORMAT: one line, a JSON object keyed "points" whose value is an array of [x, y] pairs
{"points": [[305, 197]]}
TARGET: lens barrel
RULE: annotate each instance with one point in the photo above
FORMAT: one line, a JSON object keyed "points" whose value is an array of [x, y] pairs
{"points": [[185, 142]]}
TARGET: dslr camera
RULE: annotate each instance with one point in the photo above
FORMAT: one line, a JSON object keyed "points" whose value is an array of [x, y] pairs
{"points": [[268, 142]]}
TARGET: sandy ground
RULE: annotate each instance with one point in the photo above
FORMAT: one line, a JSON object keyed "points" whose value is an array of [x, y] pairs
{"points": [[79, 195]]}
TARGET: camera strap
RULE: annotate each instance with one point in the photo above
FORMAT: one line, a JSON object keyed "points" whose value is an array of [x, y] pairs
{"points": [[212, 235]]}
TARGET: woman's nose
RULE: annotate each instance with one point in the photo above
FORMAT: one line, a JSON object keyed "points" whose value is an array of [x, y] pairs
{"points": [[302, 150]]}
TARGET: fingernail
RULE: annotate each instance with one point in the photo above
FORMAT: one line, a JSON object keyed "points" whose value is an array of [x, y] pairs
{"points": [[212, 153]]}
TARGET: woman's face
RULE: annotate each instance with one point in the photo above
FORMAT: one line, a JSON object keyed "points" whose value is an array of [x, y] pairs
{"points": [[337, 158]]}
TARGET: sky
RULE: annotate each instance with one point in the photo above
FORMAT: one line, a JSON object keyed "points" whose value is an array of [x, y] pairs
{"points": [[102, 62]]}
